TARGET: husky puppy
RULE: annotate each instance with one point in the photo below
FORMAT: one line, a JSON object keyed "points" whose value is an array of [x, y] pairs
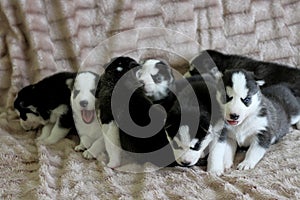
{"points": [[161, 87], [46, 104], [83, 102], [271, 73], [156, 77], [129, 118], [188, 126], [254, 118]]}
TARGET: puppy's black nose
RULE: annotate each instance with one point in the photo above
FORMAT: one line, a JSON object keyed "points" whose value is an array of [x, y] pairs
{"points": [[84, 103], [185, 164], [234, 116]]}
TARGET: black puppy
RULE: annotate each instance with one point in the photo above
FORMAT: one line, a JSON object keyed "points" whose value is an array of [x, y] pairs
{"points": [[47, 104], [128, 117]]}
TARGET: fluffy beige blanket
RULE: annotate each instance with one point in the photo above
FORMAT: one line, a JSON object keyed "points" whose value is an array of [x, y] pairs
{"points": [[39, 38]]}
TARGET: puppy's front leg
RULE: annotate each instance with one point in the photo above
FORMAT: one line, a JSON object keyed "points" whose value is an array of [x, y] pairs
{"points": [[96, 148], [112, 144], [57, 133], [253, 156], [215, 161], [46, 130], [231, 146]]}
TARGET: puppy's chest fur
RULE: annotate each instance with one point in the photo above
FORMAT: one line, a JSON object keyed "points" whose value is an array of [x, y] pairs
{"points": [[245, 133]]}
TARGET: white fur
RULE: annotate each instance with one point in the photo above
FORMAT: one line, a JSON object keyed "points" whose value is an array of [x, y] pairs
{"points": [[112, 144], [236, 106], [91, 137], [52, 132], [253, 156], [215, 161], [185, 155], [155, 90], [242, 134]]}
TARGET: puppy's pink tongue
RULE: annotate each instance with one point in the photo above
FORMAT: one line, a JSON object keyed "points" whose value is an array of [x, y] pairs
{"points": [[232, 122], [88, 116]]}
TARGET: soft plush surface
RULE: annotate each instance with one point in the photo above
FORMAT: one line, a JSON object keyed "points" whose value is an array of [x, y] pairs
{"points": [[39, 38]]}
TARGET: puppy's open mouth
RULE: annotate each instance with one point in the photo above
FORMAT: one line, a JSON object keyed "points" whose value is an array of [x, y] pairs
{"points": [[232, 122], [88, 116]]}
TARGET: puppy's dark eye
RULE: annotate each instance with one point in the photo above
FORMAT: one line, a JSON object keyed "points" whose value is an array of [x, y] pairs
{"points": [[196, 147], [93, 91], [75, 93], [157, 78], [22, 104], [228, 98], [246, 101]]}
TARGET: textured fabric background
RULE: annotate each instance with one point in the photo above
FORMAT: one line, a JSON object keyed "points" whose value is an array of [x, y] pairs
{"points": [[39, 38]]}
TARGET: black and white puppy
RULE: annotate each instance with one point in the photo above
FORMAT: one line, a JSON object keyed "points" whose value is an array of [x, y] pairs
{"points": [[271, 73], [46, 104], [114, 70], [254, 118], [129, 118], [83, 102], [157, 79], [192, 122], [159, 84]]}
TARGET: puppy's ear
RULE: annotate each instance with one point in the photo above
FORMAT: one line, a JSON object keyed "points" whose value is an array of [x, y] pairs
{"points": [[259, 80], [70, 83]]}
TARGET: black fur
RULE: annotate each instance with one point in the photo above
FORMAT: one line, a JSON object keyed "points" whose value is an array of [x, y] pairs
{"points": [[271, 73], [46, 95], [144, 144], [187, 110]]}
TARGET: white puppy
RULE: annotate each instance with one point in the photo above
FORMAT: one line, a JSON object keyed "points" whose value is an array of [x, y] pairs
{"points": [[83, 105]]}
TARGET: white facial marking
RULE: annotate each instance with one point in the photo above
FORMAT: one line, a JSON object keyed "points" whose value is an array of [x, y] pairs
{"points": [[119, 69], [184, 155], [156, 90], [83, 97], [239, 84], [237, 92]]}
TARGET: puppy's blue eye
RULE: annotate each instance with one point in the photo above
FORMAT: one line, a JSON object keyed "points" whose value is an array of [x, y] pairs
{"points": [[247, 100]]}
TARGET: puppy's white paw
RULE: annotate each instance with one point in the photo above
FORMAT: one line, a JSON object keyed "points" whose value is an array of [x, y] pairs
{"points": [[228, 165], [113, 164], [79, 147], [87, 155], [217, 172], [245, 165]]}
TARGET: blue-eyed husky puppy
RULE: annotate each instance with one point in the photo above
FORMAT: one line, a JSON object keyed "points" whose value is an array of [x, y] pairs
{"points": [[254, 118]]}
